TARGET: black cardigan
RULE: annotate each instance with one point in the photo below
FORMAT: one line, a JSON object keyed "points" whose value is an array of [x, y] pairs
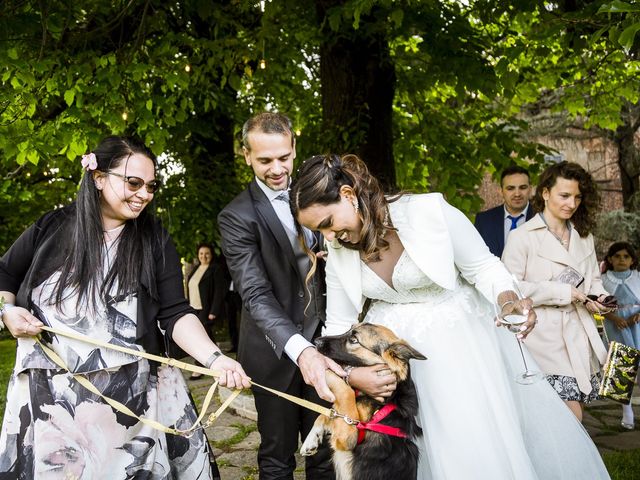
{"points": [[27, 257]]}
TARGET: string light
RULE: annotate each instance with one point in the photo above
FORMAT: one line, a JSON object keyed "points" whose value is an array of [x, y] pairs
{"points": [[124, 116], [298, 132], [263, 62], [187, 68]]}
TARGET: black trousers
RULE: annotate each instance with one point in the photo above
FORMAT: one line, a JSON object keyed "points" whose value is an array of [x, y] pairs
{"points": [[282, 424], [234, 306]]}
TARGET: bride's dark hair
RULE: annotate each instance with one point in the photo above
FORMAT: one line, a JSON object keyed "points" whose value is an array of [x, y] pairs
{"points": [[318, 181]]}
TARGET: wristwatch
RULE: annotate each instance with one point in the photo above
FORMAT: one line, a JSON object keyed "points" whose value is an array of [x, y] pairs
{"points": [[212, 358]]}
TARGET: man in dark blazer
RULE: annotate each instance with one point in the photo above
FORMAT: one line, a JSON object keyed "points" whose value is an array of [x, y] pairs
{"points": [[281, 314], [495, 224]]}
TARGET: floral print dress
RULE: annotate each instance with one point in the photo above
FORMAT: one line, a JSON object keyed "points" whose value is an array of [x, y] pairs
{"points": [[54, 428]]}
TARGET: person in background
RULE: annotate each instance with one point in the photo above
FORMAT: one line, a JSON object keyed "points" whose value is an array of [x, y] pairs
{"points": [[495, 224], [554, 258], [432, 281], [621, 278], [103, 268], [206, 289]]}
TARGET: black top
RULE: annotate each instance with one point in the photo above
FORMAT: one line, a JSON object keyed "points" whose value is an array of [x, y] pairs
{"points": [[22, 266]]}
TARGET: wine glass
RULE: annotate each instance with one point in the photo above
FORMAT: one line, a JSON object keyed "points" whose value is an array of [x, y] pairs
{"points": [[513, 322]]}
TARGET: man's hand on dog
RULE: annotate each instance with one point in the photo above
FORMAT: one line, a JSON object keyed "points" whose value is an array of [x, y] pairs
{"points": [[376, 381], [313, 365]]}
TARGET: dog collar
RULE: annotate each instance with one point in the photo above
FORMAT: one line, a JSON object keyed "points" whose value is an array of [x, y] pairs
{"points": [[375, 426]]}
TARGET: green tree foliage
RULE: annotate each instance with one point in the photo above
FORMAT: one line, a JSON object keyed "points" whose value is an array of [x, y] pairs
{"points": [[75, 72], [465, 80]]}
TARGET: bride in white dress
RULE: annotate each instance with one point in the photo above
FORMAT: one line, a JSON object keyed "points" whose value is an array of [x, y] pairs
{"points": [[431, 280]]}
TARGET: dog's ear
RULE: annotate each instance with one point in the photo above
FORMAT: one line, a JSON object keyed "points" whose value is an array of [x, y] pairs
{"points": [[404, 351], [397, 356]]}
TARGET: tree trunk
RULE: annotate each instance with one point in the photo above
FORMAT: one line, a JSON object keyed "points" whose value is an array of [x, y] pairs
{"points": [[629, 154], [358, 85]]}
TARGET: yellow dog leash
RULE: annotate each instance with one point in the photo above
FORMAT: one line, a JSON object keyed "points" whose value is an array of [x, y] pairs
{"points": [[174, 363]]}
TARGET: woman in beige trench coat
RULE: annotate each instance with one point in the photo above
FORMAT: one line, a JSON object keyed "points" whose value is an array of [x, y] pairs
{"points": [[553, 257]]}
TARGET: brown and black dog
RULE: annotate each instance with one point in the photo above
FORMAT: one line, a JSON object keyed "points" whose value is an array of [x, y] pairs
{"points": [[379, 456]]}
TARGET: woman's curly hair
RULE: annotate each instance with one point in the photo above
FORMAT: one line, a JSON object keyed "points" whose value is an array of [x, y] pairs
{"points": [[583, 218]]}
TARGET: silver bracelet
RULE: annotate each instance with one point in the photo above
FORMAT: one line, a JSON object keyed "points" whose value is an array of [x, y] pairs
{"points": [[347, 370], [506, 303], [212, 358]]}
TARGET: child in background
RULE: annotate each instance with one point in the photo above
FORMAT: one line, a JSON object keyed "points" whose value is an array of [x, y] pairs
{"points": [[622, 279]]}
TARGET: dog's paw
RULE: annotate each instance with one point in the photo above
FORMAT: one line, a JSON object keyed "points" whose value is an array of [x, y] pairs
{"points": [[311, 443], [308, 448]]}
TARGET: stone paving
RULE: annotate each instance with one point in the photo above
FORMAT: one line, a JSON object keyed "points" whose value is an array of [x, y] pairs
{"points": [[234, 436], [602, 421], [235, 439]]}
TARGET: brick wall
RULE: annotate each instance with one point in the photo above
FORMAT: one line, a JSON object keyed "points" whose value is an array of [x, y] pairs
{"points": [[597, 155]]}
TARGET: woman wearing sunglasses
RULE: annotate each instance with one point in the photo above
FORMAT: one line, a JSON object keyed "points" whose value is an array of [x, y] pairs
{"points": [[104, 268]]}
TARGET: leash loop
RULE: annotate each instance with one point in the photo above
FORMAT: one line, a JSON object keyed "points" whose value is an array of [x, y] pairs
{"points": [[348, 420]]}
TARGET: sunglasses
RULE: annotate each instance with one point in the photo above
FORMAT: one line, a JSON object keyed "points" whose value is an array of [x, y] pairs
{"points": [[610, 303], [136, 183]]}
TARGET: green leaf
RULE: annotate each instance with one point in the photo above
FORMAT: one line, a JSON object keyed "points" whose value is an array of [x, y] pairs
{"points": [[33, 156], [235, 82], [596, 36], [613, 34], [69, 95], [628, 35], [12, 53], [618, 6], [21, 158], [51, 85]]}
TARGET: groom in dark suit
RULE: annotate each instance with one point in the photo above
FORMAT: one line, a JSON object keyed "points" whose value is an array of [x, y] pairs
{"points": [[281, 315], [495, 224]]}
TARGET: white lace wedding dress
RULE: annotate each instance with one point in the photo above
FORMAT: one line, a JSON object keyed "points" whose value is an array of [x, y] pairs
{"points": [[478, 423]]}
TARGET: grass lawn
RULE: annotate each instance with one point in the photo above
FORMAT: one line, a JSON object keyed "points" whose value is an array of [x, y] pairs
{"points": [[7, 359], [621, 465]]}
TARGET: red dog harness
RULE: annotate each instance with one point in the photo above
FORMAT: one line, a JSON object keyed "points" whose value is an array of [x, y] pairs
{"points": [[374, 424]]}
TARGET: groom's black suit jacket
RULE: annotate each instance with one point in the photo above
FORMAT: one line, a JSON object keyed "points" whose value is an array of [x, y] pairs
{"points": [[275, 299]]}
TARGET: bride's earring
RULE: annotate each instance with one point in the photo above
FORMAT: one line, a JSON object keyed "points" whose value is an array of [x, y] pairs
{"points": [[355, 204]]}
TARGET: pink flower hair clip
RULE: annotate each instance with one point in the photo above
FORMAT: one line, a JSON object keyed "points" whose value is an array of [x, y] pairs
{"points": [[89, 161]]}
